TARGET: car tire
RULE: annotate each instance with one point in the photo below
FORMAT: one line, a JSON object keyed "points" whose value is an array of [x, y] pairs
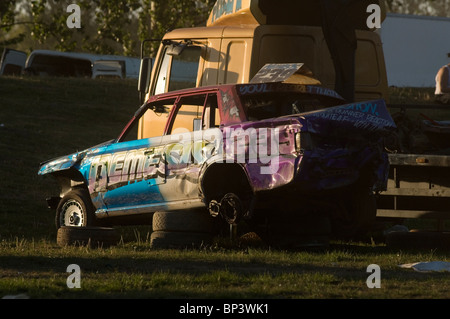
{"points": [[94, 237], [75, 209], [177, 240], [181, 229], [193, 221]]}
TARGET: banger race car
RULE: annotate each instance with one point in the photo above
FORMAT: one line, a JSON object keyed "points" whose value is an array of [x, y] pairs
{"points": [[289, 160]]}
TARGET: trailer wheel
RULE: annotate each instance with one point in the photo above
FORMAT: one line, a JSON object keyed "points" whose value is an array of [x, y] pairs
{"points": [[94, 237], [75, 209]]}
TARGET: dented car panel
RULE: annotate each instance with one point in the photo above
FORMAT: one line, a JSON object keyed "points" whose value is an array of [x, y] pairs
{"points": [[347, 138], [325, 147], [59, 164]]}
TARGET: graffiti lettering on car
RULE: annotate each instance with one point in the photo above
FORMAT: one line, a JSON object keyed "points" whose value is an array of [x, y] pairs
{"points": [[115, 170]]}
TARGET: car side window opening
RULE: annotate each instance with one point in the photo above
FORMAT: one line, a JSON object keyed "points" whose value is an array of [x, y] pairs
{"points": [[189, 108], [211, 115], [152, 122]]}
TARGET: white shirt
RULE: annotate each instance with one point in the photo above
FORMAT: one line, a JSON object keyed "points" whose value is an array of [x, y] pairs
{"points": [[438, 82]]}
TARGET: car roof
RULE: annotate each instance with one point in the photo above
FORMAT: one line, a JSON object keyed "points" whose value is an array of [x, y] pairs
{"points": [[252, 89]]}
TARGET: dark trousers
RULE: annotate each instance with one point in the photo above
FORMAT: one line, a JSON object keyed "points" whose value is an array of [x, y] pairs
{"points": [[339, 32]]}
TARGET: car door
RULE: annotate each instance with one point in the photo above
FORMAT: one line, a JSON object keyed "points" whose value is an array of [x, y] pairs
{"points": [[128, 174], [135, 169], [186, 145]]}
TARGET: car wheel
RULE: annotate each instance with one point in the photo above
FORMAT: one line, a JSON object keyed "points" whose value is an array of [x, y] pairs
{"points": [[75, 209], [95, 237]]}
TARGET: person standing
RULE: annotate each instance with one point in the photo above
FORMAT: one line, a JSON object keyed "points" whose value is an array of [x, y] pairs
{"points": [[442, 93], [339, 31]]}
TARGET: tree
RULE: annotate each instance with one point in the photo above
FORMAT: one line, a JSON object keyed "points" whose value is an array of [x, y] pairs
{"points": [[171, 14], [116, 24], [7, 22], [420, 7], [114, 27], [49, 25]]}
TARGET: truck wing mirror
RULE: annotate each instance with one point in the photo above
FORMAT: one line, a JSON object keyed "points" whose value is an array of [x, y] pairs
{"points": [[144, 77], [175, 49]]}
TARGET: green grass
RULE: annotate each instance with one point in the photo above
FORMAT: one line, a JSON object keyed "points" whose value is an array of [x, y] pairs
{"points": [[399, 95], [48, 117], [45, 118], [38, 269]]}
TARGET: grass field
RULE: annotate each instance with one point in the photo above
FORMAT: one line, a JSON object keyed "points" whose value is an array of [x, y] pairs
{"points": [[44, 118]]}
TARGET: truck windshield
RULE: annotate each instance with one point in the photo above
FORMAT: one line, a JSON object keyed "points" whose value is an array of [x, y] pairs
{"points": [[183, 73], [266, 106], [180, 71]]}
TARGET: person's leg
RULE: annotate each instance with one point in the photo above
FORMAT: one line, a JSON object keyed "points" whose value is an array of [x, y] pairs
{"points": [[339, 33]]}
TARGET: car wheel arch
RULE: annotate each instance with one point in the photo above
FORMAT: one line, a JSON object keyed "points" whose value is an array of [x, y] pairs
{"points": [[69, 179], [230, 175]]}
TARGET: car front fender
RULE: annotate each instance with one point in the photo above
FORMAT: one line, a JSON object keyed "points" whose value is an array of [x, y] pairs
{"points": [[61, 164]]}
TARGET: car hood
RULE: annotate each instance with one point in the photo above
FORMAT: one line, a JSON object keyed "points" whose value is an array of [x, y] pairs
{"points": [[66, 162]]}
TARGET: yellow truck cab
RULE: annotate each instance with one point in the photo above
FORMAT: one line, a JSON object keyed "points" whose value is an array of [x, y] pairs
{"points": [[241, 36]]}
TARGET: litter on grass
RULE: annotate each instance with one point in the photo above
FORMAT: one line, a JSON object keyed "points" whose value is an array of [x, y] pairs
{"points": [[428, 266]]}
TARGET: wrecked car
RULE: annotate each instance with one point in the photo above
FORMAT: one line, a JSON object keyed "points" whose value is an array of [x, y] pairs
{"points": [[281, 158]]}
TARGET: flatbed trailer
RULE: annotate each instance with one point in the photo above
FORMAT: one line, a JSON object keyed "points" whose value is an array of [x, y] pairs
{"points": [[419, 182]]}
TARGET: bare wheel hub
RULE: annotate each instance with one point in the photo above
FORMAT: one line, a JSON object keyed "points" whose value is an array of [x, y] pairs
{"points": [[229, 208]]}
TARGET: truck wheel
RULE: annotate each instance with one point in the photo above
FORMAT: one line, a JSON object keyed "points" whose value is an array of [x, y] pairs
{"points": [[195, 221], [164, 239], [95, 237], [75, 209]]}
